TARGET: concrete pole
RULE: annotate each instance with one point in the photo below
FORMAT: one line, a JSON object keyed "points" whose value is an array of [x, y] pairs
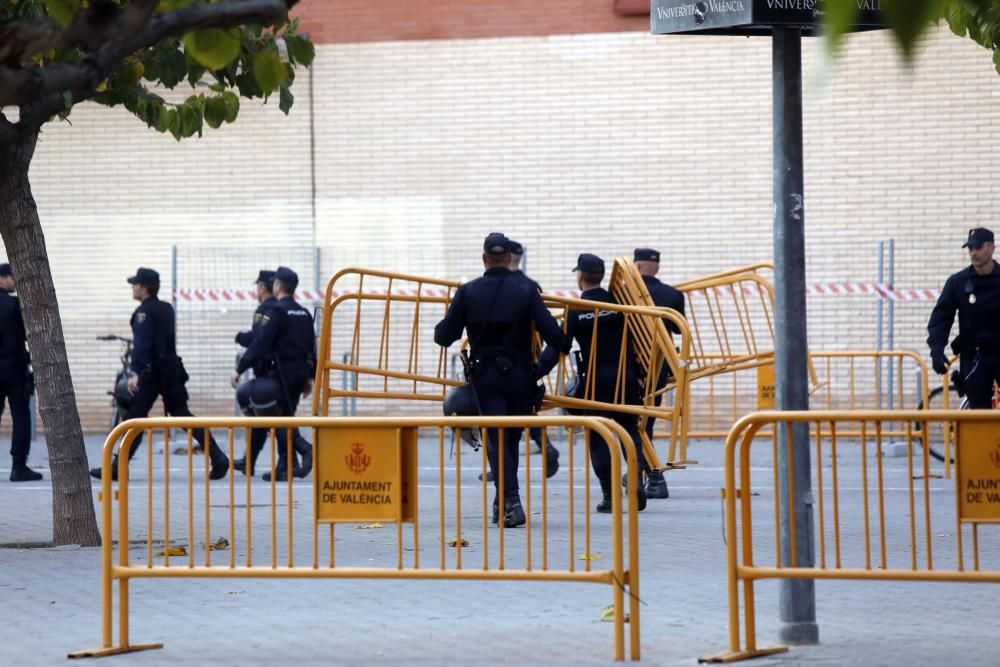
{"points": [[797, 597]]}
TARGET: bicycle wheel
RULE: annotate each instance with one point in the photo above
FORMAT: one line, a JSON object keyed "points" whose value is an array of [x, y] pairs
{"points": [[116, 416], [939, 431]]}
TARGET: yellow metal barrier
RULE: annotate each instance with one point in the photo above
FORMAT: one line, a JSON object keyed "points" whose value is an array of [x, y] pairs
{"points": [[387, 450], [389, 319], [851, 382], [858, 550]]}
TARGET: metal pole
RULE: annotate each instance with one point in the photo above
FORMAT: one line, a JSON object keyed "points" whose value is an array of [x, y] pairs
{"points": [[879, 280], [797, 597], [173, 284], [316, 273], [892, 307]]}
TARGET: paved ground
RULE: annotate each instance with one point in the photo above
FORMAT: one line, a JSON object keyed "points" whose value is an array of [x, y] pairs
{"points": [[50, 597]]}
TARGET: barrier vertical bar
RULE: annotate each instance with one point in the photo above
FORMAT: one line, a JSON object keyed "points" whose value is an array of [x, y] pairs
{"points": [[881, 492], [864, 494], [836, 491], [190, 487]]}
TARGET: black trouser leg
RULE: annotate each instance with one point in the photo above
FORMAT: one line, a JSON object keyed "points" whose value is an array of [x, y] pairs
{"points": [[20, 415], [142, 403], [980, 371]]}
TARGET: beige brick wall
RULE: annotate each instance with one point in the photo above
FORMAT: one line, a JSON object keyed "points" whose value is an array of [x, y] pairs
{"points": [[592, 143]]}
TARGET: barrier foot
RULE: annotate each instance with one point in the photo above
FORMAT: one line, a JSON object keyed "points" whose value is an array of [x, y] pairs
{"points": [[104, 651], [736, 656], [677, 465]]}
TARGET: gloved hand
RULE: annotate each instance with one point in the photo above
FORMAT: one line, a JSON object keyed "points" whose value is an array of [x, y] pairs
{"points": [[939, 361]]}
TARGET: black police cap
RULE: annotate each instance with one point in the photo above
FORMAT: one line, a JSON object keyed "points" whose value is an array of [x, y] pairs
{"points": [[144, 276], [287, 276], [496, 244], [515, 247], [589, 263], [646, 255], [978, 237], [266, 277], [5, 269]]}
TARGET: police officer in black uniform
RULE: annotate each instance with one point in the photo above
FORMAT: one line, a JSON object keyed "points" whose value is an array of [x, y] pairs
{"points": [[286, 337], [551, 453], [157, 370], [497, 310], [647, 261], [607, 350], [16, 381], [975, 293]]}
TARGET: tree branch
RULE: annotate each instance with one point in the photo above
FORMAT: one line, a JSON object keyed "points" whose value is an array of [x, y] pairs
{"points": [[38, 90]]}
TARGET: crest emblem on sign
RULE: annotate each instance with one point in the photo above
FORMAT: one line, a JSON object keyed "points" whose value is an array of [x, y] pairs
{"points": [[357, 460], [995, 454]]}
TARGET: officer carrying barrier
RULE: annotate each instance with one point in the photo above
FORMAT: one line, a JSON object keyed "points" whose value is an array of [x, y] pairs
{"points": [[905, 526], [389, 319], [730, 368], [367, 471]]}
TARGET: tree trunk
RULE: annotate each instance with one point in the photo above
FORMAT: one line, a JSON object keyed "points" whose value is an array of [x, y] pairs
{"points": [[73, 519]]}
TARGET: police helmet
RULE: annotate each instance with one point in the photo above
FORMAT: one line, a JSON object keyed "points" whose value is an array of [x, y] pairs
{"points": [[570, 390], [122, 395], [461, 402]]}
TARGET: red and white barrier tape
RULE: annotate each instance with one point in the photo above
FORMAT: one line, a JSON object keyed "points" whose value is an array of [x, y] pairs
{"points": [[815, 289]]}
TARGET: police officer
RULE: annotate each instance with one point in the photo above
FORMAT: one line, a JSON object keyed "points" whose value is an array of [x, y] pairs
{"points": [[647, 261], [258, 436], [975, 293], [156, 369], [16, 382], [551, 453], [497, 310], [606, 348], [286, 337]]}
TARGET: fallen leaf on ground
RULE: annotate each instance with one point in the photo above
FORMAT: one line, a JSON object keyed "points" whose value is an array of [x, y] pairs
{"points": [[608, 615], [174, 551], [368, 526], [453, 542], [591, 557], [220, 544]]}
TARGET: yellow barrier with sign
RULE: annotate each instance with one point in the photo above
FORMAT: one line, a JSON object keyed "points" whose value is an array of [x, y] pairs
{"points": [[366, 472], [863, 549]]}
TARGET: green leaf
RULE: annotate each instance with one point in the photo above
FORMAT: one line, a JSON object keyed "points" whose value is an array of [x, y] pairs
{"points": [[171, 5], [300, 49], [840, 15], [232, 102], [62, 11], [909, 19], [285, 99], [269, 71], [213, 48], [215, 112]]}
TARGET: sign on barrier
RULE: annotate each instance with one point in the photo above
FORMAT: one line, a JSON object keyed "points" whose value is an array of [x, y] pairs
{"points": [[765, 387], [366, 474], [978, 487]]}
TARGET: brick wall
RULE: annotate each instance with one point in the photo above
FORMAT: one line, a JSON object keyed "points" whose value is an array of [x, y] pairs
{"points": [[570, 143]]}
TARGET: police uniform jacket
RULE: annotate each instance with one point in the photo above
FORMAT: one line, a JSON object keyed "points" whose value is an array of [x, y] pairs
{"points": [[286, 334], [498, 310], [245, 338], [13, 353], [154, 348], [665, 296], [610, 329], [977, 300]]}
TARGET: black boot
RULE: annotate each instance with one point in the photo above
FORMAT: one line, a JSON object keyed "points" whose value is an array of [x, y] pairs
{"points": [[656, 485], [305, 452], [20, 472], [220, 467], [604, 507], [241, 465], [513, 513], [280, 472], [551, 460], [96, 472]]}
